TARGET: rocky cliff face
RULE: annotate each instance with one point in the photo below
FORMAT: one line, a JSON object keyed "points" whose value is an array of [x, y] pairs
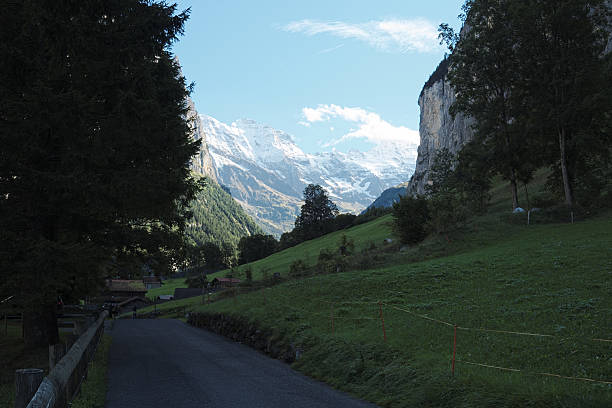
{"points": [[437, 128], [202, 162]]}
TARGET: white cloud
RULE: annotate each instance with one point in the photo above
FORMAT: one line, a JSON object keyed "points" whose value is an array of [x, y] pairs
{"points": [[325, 51], [370, 125], [415, 35]]}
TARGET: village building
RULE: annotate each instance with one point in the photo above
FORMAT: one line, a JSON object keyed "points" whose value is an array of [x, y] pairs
{"points": [[152, 282]]}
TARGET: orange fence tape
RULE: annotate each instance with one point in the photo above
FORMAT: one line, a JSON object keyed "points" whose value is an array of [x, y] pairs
{"points": [[530, 373]]}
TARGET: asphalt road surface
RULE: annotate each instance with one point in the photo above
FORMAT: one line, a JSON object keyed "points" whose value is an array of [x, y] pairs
{"points": [[167, 363]]}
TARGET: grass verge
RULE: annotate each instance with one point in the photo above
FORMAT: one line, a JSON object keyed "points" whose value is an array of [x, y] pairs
{"points": [[14, 356], [93, 390]]}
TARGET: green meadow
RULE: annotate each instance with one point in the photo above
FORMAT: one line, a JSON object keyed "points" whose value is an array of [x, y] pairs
{"points": [[530, 305]]}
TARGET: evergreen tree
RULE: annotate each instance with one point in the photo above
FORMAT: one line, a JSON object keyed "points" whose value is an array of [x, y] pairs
{"points": [[213, 258], [256, 247], [410, 219], [217, 217], [317, 213], [94, 146]]}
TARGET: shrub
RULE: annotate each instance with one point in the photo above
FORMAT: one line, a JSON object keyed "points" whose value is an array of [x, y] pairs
{"points": [[297, 268], [410, 218]]}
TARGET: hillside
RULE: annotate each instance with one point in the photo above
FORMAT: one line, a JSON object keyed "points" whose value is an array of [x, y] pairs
{"points": [[267, 171], [551, 280], [389, 196], [218, 217]]}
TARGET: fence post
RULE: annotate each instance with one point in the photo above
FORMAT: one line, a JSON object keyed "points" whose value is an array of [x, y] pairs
{"points": [[454, 350], [382, 321], [27, 382], [56, 352]]}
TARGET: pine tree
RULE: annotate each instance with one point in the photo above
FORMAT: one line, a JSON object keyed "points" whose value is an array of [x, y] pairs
{"points": [[317, 213], [95, 146]]}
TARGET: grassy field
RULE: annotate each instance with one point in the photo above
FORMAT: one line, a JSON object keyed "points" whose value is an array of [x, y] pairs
{"points": [[167, 288], [553, 280], [14, 356], [363, 236]]}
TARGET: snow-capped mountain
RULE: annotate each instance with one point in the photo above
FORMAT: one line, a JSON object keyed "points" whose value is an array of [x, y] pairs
{"points": [[267, 172]]}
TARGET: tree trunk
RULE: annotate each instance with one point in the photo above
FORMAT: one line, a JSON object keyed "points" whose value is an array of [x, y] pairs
{"points": [[567, 187], [513, 184], [40, 326]]}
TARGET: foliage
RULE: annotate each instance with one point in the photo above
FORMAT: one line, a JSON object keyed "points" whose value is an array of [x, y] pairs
{"points": [[445, 207], [343, 221], [316, 214], [297, 268], [567, 88], [212, 255], [95, 145], [483, 70], [248, 274], [410, 219], [472, 174], [254, 247], [533, 76], [370, 214], [229, 255], [440, 73], [363, 236], [217, 217], [346, 246]]}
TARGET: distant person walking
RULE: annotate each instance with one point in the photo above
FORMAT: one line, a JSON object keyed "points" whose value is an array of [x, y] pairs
{"points": [[134, 312]]}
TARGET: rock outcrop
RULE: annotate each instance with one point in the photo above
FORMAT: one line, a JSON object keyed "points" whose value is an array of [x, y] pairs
{"points": [[201, 163], [437, 128]]}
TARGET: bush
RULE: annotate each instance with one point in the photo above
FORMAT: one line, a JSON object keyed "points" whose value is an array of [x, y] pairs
{"points": [[297, 269], [346, 246], [410, 219]]}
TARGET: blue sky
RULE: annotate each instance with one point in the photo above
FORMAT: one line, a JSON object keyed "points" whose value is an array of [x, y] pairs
{"points": [[334, 74]]}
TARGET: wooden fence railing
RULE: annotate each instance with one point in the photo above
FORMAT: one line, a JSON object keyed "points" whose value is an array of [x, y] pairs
{"points": [[64, 380]]}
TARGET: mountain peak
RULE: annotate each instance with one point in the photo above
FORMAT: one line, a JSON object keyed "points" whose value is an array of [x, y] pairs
{"points": [[267, 172]]}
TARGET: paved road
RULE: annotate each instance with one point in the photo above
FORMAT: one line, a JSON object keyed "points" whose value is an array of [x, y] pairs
{"points": [[166, 363]]}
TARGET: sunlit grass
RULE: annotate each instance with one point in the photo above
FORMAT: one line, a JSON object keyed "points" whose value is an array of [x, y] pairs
{"points": [[549, 279]]}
